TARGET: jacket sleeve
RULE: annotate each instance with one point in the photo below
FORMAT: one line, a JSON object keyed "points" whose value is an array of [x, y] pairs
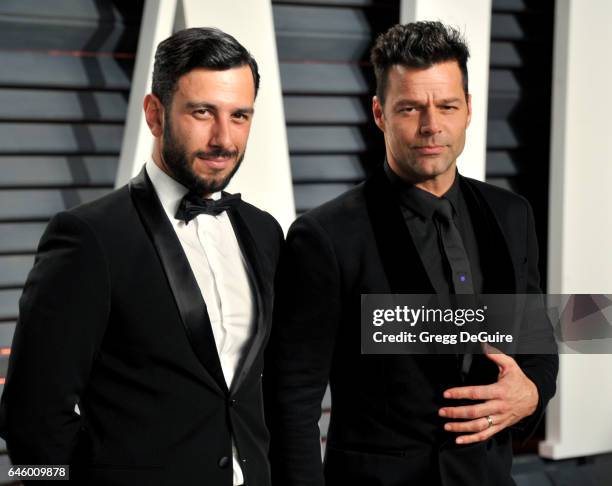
{"points": [[541, 369], [62, 317], [299, 356]]}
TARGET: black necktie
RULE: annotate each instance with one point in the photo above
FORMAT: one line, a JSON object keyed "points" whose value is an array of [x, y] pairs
{"points": [[461, 274], [192, 205]]}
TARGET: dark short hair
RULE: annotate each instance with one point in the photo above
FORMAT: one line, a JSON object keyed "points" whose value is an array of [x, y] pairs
{"points": [[417, 45], [199, 47]]}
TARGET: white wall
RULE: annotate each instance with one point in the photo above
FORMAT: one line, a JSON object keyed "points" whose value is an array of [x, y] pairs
{"points": [[579, 421], [264, 178], [473, 19]]}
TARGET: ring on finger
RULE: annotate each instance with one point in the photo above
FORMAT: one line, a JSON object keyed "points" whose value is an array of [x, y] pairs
{"points": [[489, 421]]}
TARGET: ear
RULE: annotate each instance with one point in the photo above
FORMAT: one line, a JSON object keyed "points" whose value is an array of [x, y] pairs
{"points": [[154, 114], [377, 110], [469, 110]]}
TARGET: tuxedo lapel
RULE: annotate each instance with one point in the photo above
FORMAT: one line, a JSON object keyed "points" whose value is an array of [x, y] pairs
{"points": [[185, 290], [401, 261], [495, 261], [253, 263]]}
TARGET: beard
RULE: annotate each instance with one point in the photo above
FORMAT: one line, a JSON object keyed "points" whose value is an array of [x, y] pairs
{"points": [[177, 160]]}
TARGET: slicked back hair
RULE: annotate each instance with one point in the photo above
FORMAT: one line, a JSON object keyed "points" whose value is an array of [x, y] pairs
{"points": [[199, 47], [417, 45]]}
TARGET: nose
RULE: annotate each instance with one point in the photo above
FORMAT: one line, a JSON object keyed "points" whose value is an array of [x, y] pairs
{"points": [[430, 123], [220, 133]]}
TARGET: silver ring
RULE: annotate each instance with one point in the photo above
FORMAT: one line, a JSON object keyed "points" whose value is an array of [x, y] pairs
{"points": [[490, 420]]}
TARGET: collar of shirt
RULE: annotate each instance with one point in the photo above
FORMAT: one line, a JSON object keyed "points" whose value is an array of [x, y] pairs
{"points": [[421, 202], [169, 191]]}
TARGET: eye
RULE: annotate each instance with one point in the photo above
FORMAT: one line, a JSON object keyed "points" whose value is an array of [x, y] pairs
{"points": [[240, 116], [407, 109], [202, 113], [448, 107]]}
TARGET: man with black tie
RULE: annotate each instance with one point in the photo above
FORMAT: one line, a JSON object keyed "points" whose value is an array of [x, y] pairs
{"points": [[149, 309], [416, 227]]}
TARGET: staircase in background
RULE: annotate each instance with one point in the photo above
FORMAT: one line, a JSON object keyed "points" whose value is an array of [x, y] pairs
{"points": [[520, 82], [64, 86], [327, 82]]}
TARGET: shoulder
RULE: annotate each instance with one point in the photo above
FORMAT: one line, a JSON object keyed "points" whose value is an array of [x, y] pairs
{"points": [[341, 214], [499, 199], [335, 227], [262, 225], [110, 206]]}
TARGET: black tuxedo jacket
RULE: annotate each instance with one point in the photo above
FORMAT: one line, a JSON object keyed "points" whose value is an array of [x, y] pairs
{"points": [[384, 429], [112, 318]]}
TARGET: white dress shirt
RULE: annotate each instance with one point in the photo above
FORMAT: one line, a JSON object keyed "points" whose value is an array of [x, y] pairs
{"points": [[219, 268]]}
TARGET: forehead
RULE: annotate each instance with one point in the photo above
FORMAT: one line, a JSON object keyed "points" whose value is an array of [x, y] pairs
{"points": [[442, 79], [229, 86]]}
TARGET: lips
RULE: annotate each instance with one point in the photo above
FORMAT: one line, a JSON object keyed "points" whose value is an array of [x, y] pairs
{"points": [[216, 162], [429, 149]]}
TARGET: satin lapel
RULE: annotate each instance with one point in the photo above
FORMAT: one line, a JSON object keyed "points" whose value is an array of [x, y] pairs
{"points": [[495, 261], [496, 265], [185, 290], [253, 264], [401, 261]]}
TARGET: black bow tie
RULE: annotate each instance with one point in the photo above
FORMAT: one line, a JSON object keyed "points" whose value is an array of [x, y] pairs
{"points": [[191, 205]]}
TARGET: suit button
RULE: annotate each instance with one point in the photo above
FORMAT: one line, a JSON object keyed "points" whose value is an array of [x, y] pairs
{"points": [[224, 462], [232, 403]]}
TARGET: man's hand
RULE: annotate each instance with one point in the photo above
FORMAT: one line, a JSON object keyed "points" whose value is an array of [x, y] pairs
{"points": [[512, 398]]}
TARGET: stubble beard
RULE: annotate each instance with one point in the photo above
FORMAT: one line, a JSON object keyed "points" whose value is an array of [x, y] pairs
{"points": [[177, 161]]}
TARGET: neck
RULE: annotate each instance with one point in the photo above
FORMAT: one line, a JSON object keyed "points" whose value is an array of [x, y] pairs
{"points": [[438, 185]]}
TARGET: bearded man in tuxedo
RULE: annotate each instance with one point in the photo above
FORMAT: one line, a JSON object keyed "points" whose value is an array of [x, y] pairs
{"points": [[149, 308]]}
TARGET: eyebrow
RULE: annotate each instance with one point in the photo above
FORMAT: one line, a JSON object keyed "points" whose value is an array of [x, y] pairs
{"points": [[445, 101], [195, 105]]}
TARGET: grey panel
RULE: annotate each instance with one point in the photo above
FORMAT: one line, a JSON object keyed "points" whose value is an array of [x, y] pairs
{"points": [[60, 105], [7, 329], [326, 167], [20, 237], [26, 68], [41, 204], [319, 78], [500, 164], [39, 138], [500, 135], [503, 80], [73, 9], [518, 27], [9, 304], [502, 105], [322, 47], [46, 171], [308, 196], [14, 269], [510, 5], [325, 109], [505, 54], [69, 35], [506, 26], [292, 18], [314, 139]]}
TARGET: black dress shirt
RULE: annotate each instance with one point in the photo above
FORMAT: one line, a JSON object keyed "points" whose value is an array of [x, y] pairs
{"points": [[418, 207]]}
